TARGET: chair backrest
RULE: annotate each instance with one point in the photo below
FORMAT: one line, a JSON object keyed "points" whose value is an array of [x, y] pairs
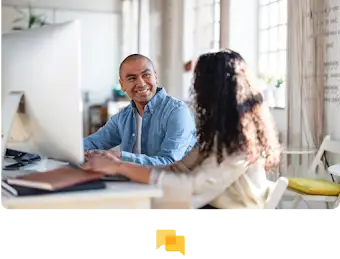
{"points": [[276, 192], [327, 145]]}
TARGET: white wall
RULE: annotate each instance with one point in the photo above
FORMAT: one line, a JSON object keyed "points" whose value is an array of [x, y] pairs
{"points": [[101, 37], [332, 55]]}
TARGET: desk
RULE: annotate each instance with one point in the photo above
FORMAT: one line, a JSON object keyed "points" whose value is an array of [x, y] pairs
{"points": [[299, 161], [117, 195], [299, 151]]}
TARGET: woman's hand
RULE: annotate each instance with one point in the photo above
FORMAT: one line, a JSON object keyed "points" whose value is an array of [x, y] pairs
{"points": [[103, 164]]}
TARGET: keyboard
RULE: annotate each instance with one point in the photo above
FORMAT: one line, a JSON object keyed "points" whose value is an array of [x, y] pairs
{"points": [[19, 159], [21, 156], [116, 178]]}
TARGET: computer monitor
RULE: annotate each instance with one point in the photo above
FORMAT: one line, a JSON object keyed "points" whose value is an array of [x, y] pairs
{"points": [[43, 64]]}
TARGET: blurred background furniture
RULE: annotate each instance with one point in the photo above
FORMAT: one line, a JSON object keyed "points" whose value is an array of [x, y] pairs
{"points": [[317, 188]]}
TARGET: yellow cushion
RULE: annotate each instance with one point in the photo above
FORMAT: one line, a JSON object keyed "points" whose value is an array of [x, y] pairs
{"points": [[314, 186]]}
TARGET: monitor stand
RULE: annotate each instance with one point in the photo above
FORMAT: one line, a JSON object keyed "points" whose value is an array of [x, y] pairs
{"points": [[45, 164], [13, 103]]}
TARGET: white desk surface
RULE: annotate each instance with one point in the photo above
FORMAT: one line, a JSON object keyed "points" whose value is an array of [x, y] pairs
{"points": [[113, 190]]}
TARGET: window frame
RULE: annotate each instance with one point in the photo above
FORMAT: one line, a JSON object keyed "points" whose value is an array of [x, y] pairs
{"points": [[130, 27], [278, 95], [214, 25]]}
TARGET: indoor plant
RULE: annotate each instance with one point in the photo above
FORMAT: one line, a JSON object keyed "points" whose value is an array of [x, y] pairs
{"points": [[33, 20]]}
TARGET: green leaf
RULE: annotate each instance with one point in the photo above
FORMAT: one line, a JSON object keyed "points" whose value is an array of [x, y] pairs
{"points": [[31, 21]]}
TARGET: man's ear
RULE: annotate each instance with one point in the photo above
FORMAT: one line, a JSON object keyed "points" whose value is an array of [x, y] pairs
{"points": [[156, 77], [121, 85]]}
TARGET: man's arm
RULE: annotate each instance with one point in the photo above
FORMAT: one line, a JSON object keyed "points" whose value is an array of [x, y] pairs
{"points": [[105, 138], [179, 135]]}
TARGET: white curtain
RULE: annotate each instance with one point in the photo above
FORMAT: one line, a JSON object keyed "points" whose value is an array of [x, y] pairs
{"points": [[305, 75], [305, 89]]}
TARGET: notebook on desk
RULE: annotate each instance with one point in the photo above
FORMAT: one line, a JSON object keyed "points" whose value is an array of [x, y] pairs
{"points": [[56, 179], [15, 190]]}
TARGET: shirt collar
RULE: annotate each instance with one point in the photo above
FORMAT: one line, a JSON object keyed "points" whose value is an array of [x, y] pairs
{"points": [[155, 100]]}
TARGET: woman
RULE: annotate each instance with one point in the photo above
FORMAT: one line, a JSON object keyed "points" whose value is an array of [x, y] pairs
{"points": [[237, 143]]}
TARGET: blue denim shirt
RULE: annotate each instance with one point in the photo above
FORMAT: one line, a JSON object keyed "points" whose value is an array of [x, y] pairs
{"points": [[168, 131]]}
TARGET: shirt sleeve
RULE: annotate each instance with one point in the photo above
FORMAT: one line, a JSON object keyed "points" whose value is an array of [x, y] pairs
{"points": [[105, 138]]}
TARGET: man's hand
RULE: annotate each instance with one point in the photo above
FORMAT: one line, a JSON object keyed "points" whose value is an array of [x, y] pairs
{"points": [[110, 154], [102, 164]]}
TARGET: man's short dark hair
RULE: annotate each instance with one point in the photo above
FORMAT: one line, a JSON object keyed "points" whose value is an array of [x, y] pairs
{"points": [[133, 57]]}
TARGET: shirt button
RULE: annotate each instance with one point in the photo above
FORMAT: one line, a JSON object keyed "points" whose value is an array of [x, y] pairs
{"points": [[133, 134]]}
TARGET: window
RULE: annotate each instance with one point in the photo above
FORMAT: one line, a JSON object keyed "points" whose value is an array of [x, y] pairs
{"points": [[216, 35], [207, 25], [201, 34], [272, 47], [130, 27]]}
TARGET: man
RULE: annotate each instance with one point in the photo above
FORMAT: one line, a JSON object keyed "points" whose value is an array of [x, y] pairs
{"points": [[154, 129]]}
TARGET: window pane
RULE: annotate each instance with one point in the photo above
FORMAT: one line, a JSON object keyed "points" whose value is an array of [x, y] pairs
{"points": [[264, 17], [217, 12], [273, 39], [282, 63], [283, 11], [282, 37], [264, 39], [130, 22], [216, 31], [264, 2], [215, 45], [204, 38], [272, 63], [263, 64], [204, 15], [204, 2], [273, 14]]}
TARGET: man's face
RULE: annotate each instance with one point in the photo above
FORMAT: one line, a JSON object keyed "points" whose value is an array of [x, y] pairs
{"points": [[139, 80]]}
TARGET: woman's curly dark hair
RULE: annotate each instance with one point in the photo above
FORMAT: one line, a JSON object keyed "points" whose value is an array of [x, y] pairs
{"points": [[231, 117]]}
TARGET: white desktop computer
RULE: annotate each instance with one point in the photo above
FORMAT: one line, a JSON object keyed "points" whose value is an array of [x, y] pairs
{"points": [[41, 77]]}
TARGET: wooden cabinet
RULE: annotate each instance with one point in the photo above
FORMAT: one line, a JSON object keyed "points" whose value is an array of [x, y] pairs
{"points": [[97, 117]]}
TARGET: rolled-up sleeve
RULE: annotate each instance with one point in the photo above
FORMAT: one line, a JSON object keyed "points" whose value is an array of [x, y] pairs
{"points": [[105, 138]]}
